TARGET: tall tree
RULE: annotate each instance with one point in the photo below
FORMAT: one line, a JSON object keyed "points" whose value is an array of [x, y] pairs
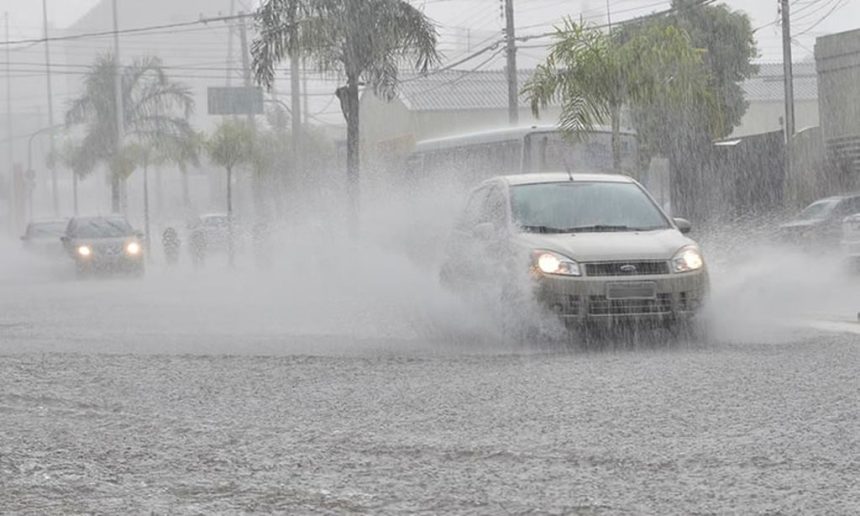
{"points": [[595, 74], [155, 110], [365, 40], [230, 146], [684, 134]]}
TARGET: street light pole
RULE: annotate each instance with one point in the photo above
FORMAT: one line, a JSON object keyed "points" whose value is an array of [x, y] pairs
{"points": [[513, 90], [789, 85], [55, 198], [116, 184], [32, 136]]}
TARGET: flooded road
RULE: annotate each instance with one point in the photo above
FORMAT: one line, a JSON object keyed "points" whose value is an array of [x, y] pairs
{"points": [[750, 429], [207, 392]]}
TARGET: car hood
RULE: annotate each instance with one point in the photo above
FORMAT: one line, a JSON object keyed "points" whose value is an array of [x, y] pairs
{"points": [[598, 247], [802, 224], [98, 242]]}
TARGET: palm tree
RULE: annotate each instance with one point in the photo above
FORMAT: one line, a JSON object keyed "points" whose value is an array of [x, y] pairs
{"points": [[231, 145], [365, 40], [594, 74], [155, 109]]}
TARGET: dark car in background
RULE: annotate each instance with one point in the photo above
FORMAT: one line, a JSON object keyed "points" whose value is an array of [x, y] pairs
{"points": [[43, 237], [819, 225], [104, 244]]}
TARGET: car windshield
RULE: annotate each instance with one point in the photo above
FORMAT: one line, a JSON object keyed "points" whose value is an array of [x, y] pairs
{"points": [[46, 230], [584, 206], [101, 228], [818, 210], [215, 221]]}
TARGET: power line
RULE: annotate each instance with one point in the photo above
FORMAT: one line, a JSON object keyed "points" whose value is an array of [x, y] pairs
{"points": [[202, 21]]}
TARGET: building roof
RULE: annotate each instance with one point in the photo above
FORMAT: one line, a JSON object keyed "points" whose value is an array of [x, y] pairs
{"points": [[461, 90], [457, 90], [560, 177], [768, 85]]}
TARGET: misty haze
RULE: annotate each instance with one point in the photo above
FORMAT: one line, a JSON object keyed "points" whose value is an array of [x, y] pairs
{"points": [[430, 256]]}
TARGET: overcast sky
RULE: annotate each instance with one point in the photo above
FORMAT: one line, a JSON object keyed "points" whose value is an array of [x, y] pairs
{"points": [[474, 18]]}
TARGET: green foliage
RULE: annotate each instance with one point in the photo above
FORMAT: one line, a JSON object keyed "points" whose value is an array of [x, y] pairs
{"points": [[155, 114], [232, 144], [593, 74], [365, 40]]}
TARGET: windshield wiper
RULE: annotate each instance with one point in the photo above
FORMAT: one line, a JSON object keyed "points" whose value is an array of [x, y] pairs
{"points": [[543, 229], [600, 228]]}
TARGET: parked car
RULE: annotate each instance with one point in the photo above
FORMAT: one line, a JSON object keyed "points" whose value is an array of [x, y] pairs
{"points": [[214, 230], [43, 237], [595, 248], [851, 239], [104, 244], [819, 225]]}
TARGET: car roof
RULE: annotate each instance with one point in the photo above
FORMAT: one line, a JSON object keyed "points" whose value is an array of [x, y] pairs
{"points": [[48, 221], [559, 177], [100, 217]]}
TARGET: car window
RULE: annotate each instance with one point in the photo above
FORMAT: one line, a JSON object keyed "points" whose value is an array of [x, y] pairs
{"points": [[818, 210], [473, 212], [593, 206], [848, 207], [100, 228], [46, 230], [495, 211]]}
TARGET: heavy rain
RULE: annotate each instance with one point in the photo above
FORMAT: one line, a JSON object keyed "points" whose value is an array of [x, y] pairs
{"points": [[430, 257]]}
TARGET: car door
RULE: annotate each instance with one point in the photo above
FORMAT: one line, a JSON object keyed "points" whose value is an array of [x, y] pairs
{"points": [[833, 227]]}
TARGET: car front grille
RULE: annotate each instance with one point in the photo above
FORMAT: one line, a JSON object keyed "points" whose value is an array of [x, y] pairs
{"points": [[601, 305], [636, 268]]}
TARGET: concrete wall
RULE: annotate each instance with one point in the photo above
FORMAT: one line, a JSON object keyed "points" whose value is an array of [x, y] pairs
{"points": [[837, 58], [764, 117]]}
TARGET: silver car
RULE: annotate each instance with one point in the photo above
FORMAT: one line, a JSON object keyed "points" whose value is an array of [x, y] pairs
{"points": [[596, 248]]}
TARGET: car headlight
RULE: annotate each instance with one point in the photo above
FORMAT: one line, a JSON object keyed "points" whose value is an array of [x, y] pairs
{"points": [[688, 259], [84, 251], [132, 248], [549, 262]]}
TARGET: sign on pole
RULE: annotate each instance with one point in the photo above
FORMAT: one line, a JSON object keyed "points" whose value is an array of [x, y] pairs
{"points": [[239, 100]]}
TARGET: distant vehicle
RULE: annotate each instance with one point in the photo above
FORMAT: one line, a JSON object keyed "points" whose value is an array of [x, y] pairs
{"points": [[819, 225], [477, 156], [214, 229], [43, 237], [598, 249], [104, 244]]}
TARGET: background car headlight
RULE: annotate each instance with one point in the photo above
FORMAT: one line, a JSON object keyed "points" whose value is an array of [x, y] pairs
{"points": [[549, 262], [133, 248], [688, 259], [84, 251]]}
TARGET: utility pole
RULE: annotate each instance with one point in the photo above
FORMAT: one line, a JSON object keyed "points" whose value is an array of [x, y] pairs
{"points": [[246, 74], [513, 90], [11, 143], [116, 202], [55, 199], [295, 90], [246, 62], [230, 44], [789, 84]]}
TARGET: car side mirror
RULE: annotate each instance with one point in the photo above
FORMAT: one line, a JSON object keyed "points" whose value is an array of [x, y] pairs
{"points": [[64, 239], [139, 235], [684, 225], [24, 238]]}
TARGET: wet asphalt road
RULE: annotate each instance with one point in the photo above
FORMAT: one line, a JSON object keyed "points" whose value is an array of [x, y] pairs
{"points": [[751, 429], [120, 397]]}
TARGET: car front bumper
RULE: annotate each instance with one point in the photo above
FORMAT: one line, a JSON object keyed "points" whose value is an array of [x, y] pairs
{"points": [[664, 297]]}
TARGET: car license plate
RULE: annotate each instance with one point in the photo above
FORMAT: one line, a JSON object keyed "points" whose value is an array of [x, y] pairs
{"points": [[641, 290]]}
